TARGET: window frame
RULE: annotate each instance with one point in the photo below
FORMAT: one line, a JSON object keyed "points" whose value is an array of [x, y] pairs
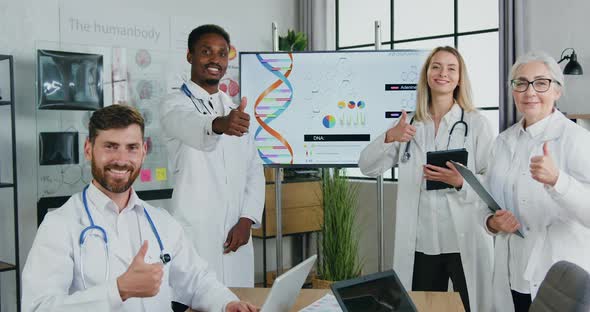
{"points": [[455, 34], [392, 42]]}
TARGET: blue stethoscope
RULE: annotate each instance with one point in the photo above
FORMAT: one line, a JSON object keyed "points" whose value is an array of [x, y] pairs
{"points": [[184, 88], [165, 257], [406, 156]]}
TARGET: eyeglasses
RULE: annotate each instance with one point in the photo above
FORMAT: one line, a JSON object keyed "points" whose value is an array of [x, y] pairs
{"points": [[540, 85]]}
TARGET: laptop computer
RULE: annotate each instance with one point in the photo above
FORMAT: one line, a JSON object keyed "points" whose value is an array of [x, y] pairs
{"points": [[379, 292], [286, 287]]}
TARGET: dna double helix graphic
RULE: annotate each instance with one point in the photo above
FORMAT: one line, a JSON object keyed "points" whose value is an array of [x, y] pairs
{"points": [[272, 147]]}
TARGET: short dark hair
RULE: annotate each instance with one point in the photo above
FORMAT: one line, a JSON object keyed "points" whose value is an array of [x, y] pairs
{"points": [[202, 30], [115, 116]]}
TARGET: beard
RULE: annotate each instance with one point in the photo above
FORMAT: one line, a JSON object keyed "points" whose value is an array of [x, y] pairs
{"points": [[122, 186], [212, 82]]}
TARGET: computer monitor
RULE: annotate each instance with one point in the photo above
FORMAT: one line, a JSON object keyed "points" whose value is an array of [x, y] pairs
{"points": [[379, 292]]}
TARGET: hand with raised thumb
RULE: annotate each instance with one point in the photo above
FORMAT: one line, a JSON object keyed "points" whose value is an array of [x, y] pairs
{"points": [[141, 279], [235, 123], [543, 167], [243, 104], [402, 131]]}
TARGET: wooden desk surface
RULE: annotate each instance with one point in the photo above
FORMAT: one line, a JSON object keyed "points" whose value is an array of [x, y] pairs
{"points": [[424, 301]]}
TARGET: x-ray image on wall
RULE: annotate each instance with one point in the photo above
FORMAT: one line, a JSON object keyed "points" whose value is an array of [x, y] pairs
{"points": [[58, 148], [69, 81]]}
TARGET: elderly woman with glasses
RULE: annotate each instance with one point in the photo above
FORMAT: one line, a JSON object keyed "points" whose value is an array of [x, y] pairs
{"points": [[540, 174]]}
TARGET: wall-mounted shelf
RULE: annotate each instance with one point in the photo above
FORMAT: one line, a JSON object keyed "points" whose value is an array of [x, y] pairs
{"points": [[9, 257]]}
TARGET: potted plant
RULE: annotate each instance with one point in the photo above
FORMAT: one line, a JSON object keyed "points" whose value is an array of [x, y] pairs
{"points": [[340, 237], [293, 41]]}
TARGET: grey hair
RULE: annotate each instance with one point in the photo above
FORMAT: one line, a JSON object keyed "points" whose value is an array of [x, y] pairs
{"points": [[540, 56]]}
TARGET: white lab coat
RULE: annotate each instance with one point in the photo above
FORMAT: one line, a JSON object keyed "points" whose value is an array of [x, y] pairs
{"points": [[218, 179], [52, 280], [475, 244], [564, 231]]}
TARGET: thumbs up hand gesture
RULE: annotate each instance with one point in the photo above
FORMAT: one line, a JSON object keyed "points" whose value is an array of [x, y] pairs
{"points": [[141, 279], [235, 123], [543, 167], [402, 132]]}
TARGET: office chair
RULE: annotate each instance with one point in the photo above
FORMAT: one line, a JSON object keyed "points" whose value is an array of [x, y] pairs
{"points": [[566, 288]]}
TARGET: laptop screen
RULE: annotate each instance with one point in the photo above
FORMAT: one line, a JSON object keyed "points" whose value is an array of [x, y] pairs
{"points": [[375, 292]]}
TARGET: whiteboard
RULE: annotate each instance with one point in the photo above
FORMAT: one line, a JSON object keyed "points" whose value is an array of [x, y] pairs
{"points": [[322, 108], [132, 76]]}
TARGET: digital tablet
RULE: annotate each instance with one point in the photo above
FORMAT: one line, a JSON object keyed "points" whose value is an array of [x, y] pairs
{"points": [[439, 159]]}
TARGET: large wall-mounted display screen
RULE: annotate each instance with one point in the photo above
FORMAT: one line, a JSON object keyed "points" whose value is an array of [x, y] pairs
{"points": [[323, 108]]}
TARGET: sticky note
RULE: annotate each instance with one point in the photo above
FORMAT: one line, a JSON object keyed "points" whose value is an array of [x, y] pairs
{"points": [[145, 175], [161, 174]]}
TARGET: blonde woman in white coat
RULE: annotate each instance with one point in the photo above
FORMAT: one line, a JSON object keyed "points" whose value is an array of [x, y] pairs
{"points": [[540, 174], [437, 232]]}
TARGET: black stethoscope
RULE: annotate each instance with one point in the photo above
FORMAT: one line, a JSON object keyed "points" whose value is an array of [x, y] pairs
{"points": [[406, 156], [184, 88], [165, 257]]}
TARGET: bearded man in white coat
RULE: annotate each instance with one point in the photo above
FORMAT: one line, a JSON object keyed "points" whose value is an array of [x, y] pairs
{"points": [[107, 250], [219, 182]]}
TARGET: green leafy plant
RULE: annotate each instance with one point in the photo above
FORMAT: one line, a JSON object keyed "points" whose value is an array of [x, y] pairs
{"points": [[340, 237], [294, 41]]}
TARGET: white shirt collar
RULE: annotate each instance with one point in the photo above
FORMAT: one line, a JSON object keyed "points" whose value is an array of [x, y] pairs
{"points": [[102, 202], [453, 114], [199, 92], [535, 129]]}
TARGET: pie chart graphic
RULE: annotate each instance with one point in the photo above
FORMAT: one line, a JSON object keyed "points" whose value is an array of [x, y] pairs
{"points": [[341, 104], [329, 121], [351, 104], [360, 104]]}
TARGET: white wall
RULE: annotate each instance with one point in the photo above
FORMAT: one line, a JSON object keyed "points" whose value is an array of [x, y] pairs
{"points": [[552, 26], [24, 22]]}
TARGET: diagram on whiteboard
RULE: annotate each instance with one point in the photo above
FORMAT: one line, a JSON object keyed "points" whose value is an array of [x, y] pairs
{"points": [[323, 108]]}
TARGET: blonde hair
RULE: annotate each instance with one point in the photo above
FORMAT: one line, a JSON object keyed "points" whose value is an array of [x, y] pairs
{"points": [[461, 94]]}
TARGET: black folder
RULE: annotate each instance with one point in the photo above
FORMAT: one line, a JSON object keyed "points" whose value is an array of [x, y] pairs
{"points": [[439, 159]]}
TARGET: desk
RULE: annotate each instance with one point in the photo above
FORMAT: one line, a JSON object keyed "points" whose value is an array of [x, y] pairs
{"points": [[424, 301]]}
